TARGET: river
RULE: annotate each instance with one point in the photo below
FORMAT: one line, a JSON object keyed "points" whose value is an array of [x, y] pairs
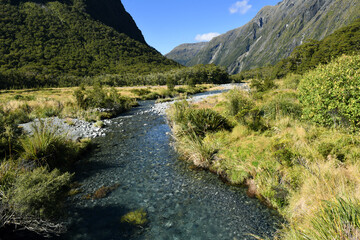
{"points": [[181, 203]]}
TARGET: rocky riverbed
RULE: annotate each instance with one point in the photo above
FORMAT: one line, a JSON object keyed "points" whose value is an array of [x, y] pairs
{"points": [[76, 129], [73, 128], [181, 202]]}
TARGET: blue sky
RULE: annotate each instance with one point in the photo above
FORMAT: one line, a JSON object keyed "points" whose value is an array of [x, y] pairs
{"points": [[166, 24]]}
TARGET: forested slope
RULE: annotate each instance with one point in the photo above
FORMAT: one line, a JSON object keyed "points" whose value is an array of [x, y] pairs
{"points": [[58, 42]]}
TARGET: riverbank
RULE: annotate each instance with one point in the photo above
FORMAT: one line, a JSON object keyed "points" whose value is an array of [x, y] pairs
{"points": [[95, 126], [39, 164], [180, 202], [309, 173]]}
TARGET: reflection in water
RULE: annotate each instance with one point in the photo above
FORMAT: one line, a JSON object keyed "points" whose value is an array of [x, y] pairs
{"points": [[181, 204]]}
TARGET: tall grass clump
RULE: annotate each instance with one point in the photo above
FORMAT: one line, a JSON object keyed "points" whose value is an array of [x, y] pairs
{"points": [[201, 152], [202, 121], [282, 104], [191, 127], [338, 219], [46, 147], [330, 93], [197, 121]]}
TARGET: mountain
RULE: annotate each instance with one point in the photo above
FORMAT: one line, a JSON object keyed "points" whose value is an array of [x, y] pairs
{"points": [[185, 52], [114, 15], [275, 31], [344, 41], [46, 42]]}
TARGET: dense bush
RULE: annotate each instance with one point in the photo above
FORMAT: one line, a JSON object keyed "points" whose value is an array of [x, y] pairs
{"points": [[262, 85], [98, 97], [39, 193], [9, 132], [239, 103], [191, 76], [330, 94]]}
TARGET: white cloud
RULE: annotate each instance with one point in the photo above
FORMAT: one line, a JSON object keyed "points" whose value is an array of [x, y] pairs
{"points": [[206, 37], [240, 7]]}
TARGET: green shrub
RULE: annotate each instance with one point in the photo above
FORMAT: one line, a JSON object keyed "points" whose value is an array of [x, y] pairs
{"points": [[39, 193], [292, 81], [101, 98], [283, 153], [170, 83], [239, 103], [179, 112], [9, 133], [330, 94], [262, 85], [8, 172], [140, 91], [283, 104], [254, 120]]}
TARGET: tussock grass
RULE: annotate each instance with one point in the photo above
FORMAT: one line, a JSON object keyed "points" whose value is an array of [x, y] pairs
{"points": [[200, 152], [309, 173], [47, 148]]}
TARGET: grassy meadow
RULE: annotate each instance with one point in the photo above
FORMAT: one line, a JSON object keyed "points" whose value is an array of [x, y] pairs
{"points": [[36, 170], [294, 143]]}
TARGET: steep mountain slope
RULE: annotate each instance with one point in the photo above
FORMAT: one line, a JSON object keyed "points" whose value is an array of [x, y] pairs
{"points": [[275, 31], [114, 15], [56, 42], [309, 55], [185, 52]]}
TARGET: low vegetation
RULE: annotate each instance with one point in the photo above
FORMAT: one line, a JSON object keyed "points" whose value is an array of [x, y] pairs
{"points": [[35, 178], [136, 218], [295, 143]]}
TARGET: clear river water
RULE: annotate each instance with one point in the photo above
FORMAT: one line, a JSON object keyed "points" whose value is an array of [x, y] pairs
{"points": [[181, 203]]}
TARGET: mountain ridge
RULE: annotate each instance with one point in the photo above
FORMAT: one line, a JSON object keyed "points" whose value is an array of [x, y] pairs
{"points": [[185, 52], [274, 33]]}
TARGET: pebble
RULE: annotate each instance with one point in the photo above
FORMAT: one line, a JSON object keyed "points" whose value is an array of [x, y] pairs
{"points": [[160, 108], [77, 130]]}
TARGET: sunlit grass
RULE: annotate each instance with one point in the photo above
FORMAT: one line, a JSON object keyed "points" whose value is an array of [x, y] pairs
{"points": [[309, 173]]}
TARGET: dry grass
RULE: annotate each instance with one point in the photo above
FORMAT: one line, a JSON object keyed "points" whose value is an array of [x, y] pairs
{"points": [[295, 166], [54, 97]]}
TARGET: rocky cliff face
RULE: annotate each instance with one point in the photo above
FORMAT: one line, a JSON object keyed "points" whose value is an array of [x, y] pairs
{"points": [[185, 52], [275, 31], [113, 14]]}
